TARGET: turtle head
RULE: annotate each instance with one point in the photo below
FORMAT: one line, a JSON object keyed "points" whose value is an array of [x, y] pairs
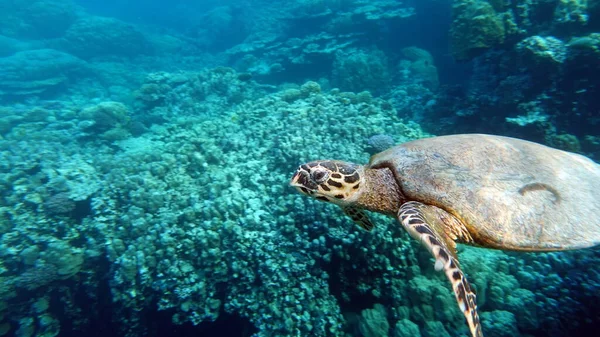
{"points": [[329, 180]]}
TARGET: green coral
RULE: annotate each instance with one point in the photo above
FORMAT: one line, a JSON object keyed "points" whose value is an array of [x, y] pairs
{"points": [[476, 27], [479, 25], [406, 328], [310, 88], [373, 322], [431, 300], [109, 119], [499, 323], [434, 329], [563, 141], [524, 298]]}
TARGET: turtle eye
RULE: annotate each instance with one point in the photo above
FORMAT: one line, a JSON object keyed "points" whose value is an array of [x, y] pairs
{"points": [[319, 175]]}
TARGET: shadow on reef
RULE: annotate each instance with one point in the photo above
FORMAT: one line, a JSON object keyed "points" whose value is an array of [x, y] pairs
{"points": [[158, 323], [83, 305], [343, 285], [226, 325]]}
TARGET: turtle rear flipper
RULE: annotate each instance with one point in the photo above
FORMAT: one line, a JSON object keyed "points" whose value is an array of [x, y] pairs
{"points": [[423, 222]]}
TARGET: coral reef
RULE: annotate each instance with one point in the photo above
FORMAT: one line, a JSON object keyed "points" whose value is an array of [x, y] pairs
{"points": [[539, 53], [481, 25], [144, 168], [194, 215], [110, 120], [332, 36], [541, 86], [222, 228]]}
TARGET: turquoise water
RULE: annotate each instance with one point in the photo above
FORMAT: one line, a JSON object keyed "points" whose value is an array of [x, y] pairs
{"points": [[146, 150]]}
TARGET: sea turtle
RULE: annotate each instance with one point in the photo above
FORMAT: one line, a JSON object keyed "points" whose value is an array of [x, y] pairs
{"points": [[484, 190]]}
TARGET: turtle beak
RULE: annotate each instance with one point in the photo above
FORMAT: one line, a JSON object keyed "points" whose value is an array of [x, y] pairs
{"points": [[294, 181], [299, 182]]}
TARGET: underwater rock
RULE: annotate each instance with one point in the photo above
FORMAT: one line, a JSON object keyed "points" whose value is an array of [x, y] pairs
{"points": [[420, 68], [361, 70], [379, 143], [585, 48], [48, 18], [37, 72], [106, 116], [542, 53], [66, 259], [75, 176], [267, 56], [94, 36], [476, 26], [9, 46], [59, 204], [221, 27], [37, 19], [37, 276]]}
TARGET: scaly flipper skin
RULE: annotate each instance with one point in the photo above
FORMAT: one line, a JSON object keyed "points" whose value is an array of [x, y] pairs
{"points": [[359, 217], [429, 230]]}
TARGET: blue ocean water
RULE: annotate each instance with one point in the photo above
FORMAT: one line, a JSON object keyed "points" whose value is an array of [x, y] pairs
{"points": [[146, 151]]}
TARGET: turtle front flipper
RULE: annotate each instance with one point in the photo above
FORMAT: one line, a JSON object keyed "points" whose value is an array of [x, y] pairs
{"points": [[359, 217], [423, 222]]}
